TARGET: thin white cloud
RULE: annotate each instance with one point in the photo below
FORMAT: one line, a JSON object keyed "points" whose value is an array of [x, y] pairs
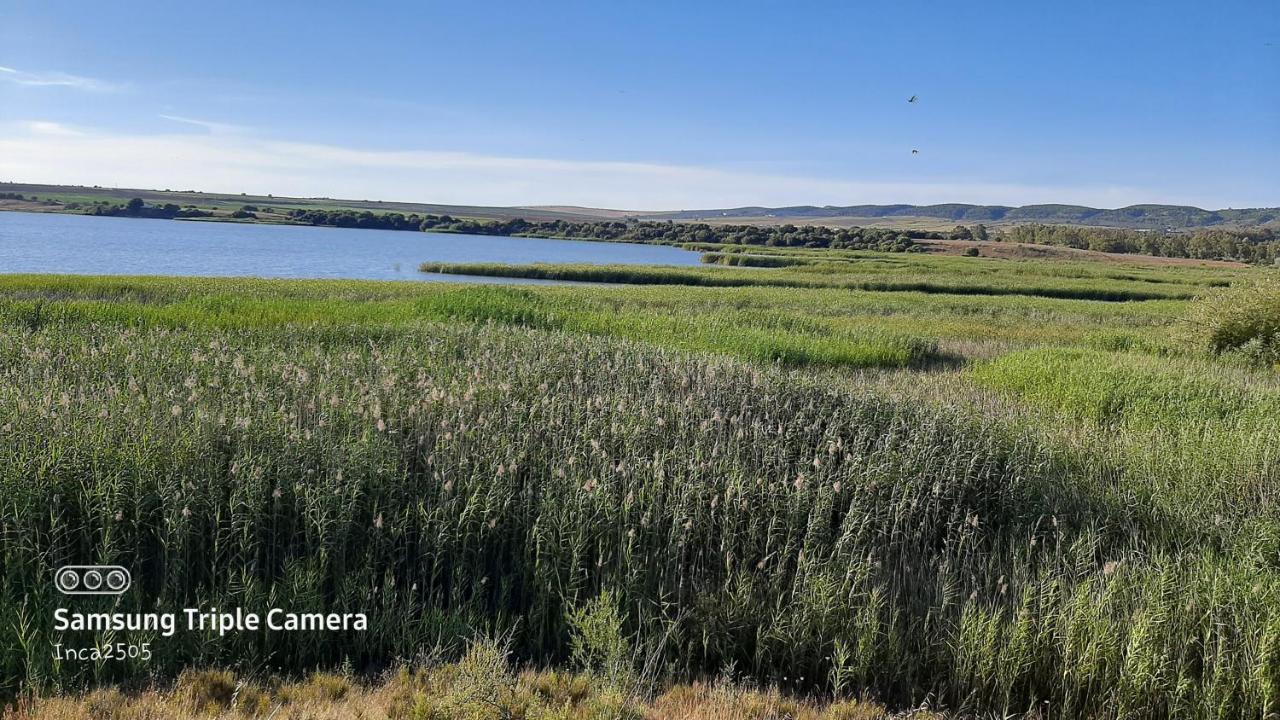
{"points": [[54, 78], [44, 127], [50, 153], [210, 126]]}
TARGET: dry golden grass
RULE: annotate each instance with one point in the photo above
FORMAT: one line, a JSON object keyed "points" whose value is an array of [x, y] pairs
{"points": [[442, 693]]}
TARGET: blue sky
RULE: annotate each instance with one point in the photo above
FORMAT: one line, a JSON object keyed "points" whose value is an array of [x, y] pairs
{"points": [[652, 105]]}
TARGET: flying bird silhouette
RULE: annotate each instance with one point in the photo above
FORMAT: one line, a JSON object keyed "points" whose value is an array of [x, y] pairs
{"points": [[912, 99]]}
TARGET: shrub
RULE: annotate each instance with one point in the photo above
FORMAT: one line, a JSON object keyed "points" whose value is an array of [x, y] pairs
{"points": [[599, 647], [107, 703], [558, 688], [610, 705], [1241, 320], [320, 686], [207, 691], [485, 681], [853, 710]]}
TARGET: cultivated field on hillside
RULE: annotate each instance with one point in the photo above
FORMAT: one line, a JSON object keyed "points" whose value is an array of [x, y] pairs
{"points": [[86, 196]]}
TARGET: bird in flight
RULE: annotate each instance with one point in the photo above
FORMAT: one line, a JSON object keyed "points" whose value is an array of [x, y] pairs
{"points": [[915, 152], [912, 99]]}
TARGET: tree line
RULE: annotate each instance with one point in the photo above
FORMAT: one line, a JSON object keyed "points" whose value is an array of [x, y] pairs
{"points": [[137, 208], [665, 233], [1253, 245]]}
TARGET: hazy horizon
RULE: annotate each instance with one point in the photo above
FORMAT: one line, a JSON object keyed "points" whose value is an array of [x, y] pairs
{"points": [[552, 206]]}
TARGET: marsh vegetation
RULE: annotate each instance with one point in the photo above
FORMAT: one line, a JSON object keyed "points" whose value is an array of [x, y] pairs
{"points": [[1005, 501]]}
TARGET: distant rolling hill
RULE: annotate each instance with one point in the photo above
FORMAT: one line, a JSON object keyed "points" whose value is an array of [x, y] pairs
{"points": [[935, 217], [1134, 216]]}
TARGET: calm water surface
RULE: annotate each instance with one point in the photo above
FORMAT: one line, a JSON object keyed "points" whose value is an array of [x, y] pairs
{"points": [[84, 245]]}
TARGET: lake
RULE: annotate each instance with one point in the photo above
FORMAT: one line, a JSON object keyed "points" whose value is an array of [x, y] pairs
{"points": [[85, 245]]}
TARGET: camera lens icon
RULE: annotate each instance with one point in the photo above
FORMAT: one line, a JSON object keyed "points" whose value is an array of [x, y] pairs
{"points": [[118, 580], [92, 579], [68, 580]]}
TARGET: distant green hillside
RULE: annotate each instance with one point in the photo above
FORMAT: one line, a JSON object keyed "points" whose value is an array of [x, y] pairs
{"points": [[1152, 217], [1133, 216]]}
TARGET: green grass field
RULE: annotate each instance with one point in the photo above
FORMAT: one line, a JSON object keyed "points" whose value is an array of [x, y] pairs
{"points": [[996, 487]]}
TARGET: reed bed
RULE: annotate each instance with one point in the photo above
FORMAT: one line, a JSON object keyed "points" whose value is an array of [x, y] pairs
{"points": [[459, 478], [1079, 523]]}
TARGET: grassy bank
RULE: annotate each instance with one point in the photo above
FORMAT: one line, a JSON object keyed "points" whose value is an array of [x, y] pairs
{"points": [[933, 275]]}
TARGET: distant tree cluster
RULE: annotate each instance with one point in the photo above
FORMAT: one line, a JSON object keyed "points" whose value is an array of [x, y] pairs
{"points": [[137, 208], [803, 236], [11, 196], [977, 232], [352, 219], [1255, 245], [666, 233]]}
